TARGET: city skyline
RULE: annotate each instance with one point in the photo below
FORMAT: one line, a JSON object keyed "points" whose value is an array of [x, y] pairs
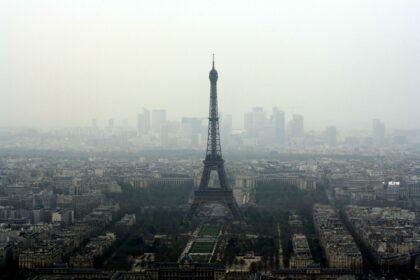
{"points": [[210, 140], [238, 122]]}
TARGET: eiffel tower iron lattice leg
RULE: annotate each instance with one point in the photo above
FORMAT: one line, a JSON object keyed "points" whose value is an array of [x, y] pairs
{"points": [[214, 162]]}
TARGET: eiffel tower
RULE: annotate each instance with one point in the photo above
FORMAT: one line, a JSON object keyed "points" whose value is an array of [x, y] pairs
{"points": [[214, 162]]}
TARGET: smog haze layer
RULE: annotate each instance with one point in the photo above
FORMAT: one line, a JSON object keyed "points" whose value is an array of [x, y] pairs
{"points": [[340, 63]]}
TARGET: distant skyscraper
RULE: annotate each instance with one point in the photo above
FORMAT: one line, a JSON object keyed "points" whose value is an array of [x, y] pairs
{"points": [[259, 119], [146, 120], [143, 122], [248, 120], [331, 135], [279, 126], [158, 120], [94, 123], [111, 124], [255, 121], [378, 131], [191, 130], [140, 125], [296, 126]]}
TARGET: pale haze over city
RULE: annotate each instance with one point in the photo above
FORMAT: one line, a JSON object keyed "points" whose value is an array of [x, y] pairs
{"points": [[341, 63]]}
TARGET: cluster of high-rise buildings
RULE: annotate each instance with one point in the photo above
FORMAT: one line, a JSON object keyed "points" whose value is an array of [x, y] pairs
{"points": [[154, 129], [260, 130]]}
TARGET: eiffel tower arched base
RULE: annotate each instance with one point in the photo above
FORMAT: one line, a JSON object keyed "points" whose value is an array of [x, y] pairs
{"points": [[220, 196]]}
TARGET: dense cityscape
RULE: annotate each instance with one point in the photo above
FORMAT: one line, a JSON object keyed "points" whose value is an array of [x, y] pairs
{"points": [[103, 215], [126, 155], [112, 204]]}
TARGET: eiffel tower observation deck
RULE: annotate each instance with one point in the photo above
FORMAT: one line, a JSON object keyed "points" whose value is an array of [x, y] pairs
{"points": [[214, 162]]}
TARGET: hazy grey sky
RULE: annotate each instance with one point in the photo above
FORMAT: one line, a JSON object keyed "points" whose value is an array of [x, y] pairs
{"points": [[336, 62]]}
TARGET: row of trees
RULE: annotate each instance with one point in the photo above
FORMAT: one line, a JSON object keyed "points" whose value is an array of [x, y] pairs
{"points": [[275, 202], [158, 210]]}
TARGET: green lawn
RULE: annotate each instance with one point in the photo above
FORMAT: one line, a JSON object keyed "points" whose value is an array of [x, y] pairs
{"points": [[209, 230], [202, 247]]}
